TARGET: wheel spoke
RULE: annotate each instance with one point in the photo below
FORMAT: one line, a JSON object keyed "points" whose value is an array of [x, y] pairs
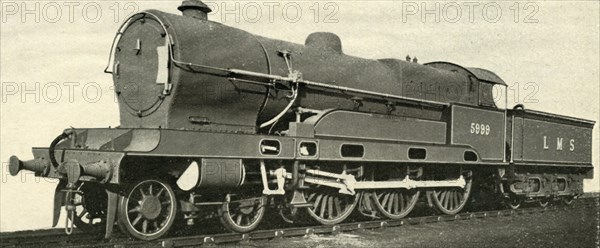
{"points": [[330, 207], [442, 196], [134, 210], [323, 205], [456, 202], [137, 219], [338, 208], [160, 192], [378, 196], [145, 226], [258, 207], [239, 219], [317, 201], [150, 189], [446, 200], [396, 202], [385, 199], [402, 202], [390, 202]]}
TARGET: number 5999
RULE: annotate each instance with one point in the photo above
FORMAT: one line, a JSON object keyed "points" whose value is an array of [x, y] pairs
{"points": [[481, 129]]}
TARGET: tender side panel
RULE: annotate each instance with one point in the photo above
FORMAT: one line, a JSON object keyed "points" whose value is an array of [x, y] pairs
{"points": [[546, 141], [480, 128], [345, 124]]}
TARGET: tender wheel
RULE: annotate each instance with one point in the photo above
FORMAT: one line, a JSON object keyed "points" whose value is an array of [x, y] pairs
{"points": [[514, 202], [451, 200], [543, 202], [90, 207], [395, 203], [148, 210], [567, 200], [241, 214], [329, 207]]}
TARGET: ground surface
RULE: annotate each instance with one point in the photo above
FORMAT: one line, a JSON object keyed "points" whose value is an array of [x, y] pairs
{"points": [[575, 227], [571, 228]]}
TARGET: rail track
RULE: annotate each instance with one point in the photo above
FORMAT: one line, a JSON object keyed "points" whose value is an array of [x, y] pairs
{"points": [[56, 237]]}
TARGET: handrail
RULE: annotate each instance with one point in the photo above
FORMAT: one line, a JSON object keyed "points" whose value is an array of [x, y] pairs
{"points": [[336, 87]]}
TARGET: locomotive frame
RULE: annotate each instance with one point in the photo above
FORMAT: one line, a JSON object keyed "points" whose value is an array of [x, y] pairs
{"points": [[301, 158]]}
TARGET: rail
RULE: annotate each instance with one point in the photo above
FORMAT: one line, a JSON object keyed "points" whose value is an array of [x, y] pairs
{"points": [[55, 238]]}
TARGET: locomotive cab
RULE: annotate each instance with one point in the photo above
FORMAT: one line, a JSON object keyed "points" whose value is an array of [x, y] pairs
{"points": [[483, 87]]}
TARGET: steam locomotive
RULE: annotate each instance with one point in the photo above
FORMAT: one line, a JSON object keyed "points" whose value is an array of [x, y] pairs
{"points": [[215, 121]]}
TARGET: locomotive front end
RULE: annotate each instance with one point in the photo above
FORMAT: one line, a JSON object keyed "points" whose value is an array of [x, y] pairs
{"points": [[154, 64], [141, 73]]}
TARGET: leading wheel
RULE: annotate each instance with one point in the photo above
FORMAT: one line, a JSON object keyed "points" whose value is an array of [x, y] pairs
{"points": [[90, 206], [148, 209], [451, 200], [395, 203], [241, 214], [329, 207]]}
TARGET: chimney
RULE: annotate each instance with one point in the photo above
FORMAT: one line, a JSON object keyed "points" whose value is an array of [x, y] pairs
{"points": [[195, 9]]}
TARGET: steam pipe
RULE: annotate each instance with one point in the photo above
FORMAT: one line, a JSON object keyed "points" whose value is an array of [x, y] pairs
{"points": [[55, 142]]}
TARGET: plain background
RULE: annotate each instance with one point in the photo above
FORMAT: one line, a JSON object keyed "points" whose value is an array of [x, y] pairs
{"points": [[552, 64]]}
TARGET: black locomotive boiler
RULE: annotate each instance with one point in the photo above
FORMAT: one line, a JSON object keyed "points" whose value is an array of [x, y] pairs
{"points": [[218, 122]]}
